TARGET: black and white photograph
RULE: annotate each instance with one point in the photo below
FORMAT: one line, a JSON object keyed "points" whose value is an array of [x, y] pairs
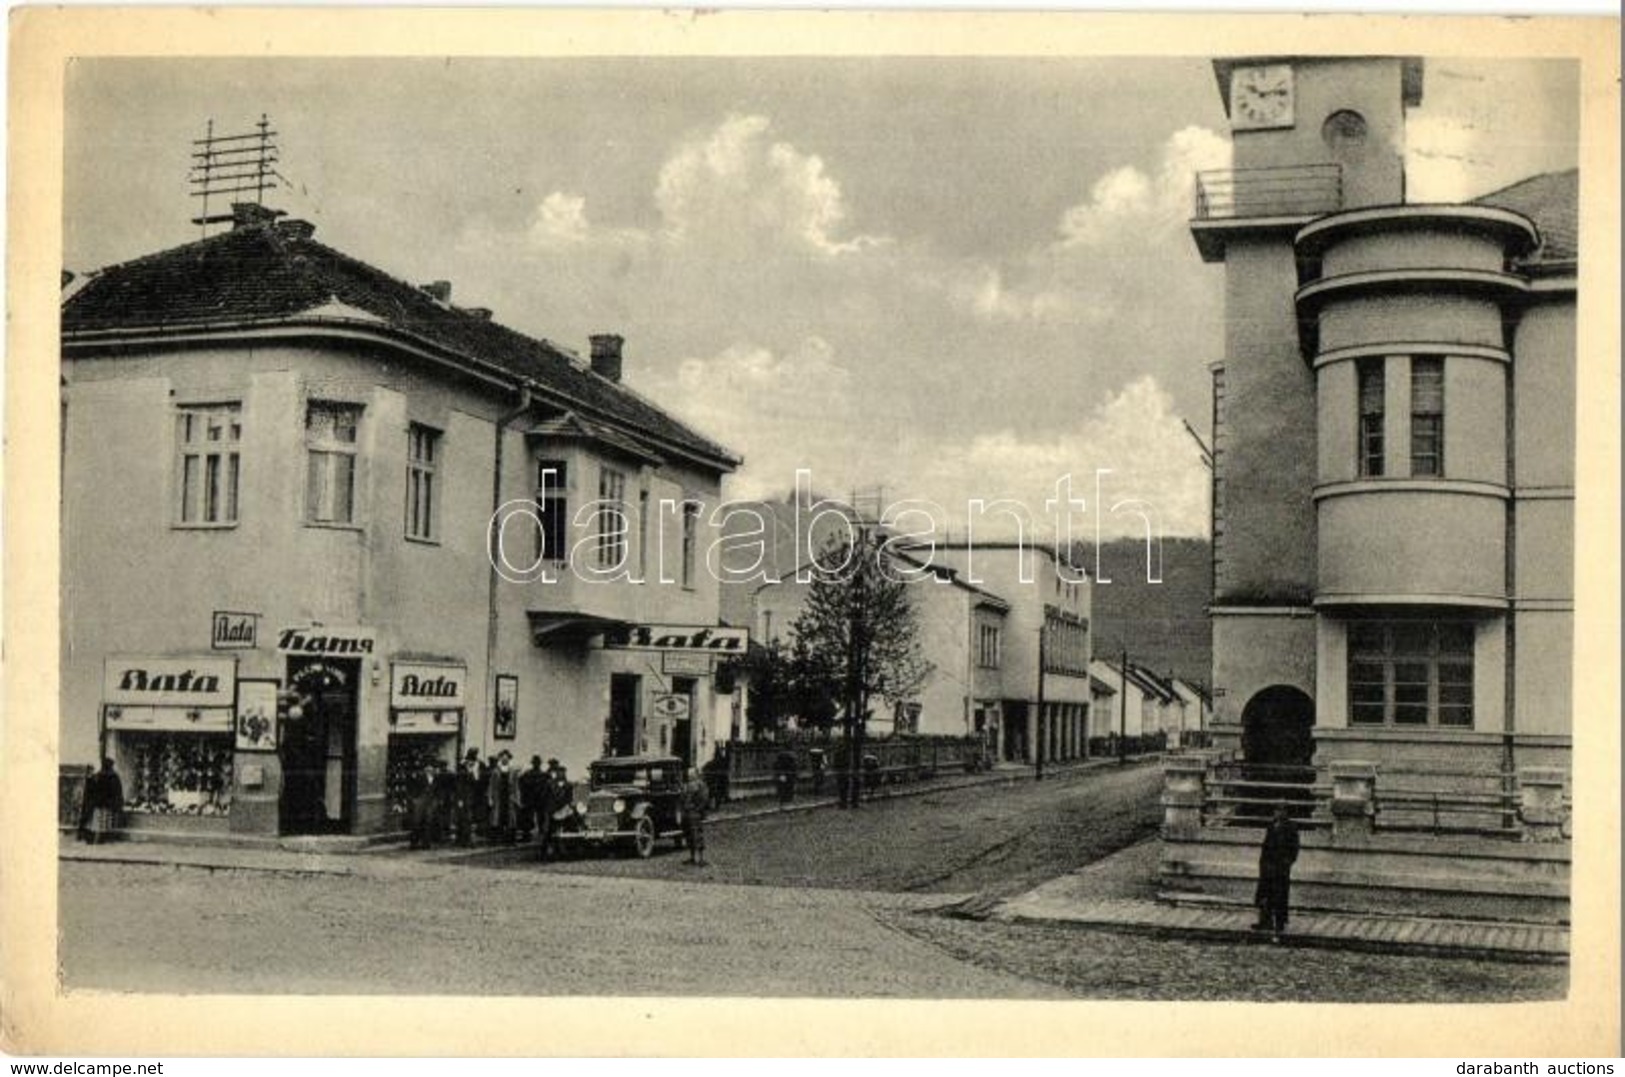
{"points": [[1064, 524]]}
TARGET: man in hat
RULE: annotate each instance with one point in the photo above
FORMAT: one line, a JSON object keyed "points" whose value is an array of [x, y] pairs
{"points": [[500, 797], [559, 797], [465, 798], [696, 800]]}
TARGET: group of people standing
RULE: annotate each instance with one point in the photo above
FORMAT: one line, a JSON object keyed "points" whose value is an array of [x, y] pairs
{"points": [[490, 800]]}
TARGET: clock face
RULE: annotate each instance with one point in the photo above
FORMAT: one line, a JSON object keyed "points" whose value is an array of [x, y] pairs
{"points": [[1261, 97]]}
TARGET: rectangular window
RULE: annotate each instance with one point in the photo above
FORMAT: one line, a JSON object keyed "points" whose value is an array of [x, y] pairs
{"points": [[422, 455], [1371, 417], [207, 440], [330, 444], [612, 525], [987, 646], [691, 542], [1411, 673], [1427, 416], [552, 509]]}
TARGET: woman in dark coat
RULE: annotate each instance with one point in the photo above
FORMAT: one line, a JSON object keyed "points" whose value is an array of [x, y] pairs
{"points": [[1275, 861]]}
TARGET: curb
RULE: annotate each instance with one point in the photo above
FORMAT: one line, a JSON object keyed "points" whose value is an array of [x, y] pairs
{"points": [[1318, 942]]}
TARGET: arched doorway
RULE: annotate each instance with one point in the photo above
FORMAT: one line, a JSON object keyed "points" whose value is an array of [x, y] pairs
{"points": [[1278, 748]]}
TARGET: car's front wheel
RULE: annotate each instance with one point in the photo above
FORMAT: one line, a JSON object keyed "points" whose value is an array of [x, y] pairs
{"points": [[643, 838]]}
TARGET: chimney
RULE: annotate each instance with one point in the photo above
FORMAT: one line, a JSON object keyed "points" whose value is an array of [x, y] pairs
{"points": [[438, 290], [252, 214], [295, 229], [606, 356]]}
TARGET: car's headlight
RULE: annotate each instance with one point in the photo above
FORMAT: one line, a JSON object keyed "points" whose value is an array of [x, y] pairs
{"points": [[581, 807], [619, 805]]}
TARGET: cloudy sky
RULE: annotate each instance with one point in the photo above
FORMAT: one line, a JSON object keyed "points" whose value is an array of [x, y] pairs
{"points": [[948, 278]]}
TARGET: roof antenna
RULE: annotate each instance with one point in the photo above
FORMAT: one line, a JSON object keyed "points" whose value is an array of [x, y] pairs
{"points": [[233, 165]]}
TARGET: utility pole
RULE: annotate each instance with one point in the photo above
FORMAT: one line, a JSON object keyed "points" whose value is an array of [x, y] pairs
{"points": [[1038, 749], [1122, 713]]}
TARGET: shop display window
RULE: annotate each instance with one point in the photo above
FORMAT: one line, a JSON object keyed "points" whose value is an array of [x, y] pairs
{"points": [[408, 755], [176, 773]]}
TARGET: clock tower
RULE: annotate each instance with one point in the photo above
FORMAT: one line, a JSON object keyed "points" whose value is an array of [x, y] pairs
{"points": [[1311, 136]]}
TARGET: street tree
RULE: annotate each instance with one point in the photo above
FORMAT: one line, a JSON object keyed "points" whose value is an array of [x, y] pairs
{"points": [[860, 631]]}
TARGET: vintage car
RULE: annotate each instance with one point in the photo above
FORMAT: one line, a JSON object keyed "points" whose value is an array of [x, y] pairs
{"points": [[631, 802]]}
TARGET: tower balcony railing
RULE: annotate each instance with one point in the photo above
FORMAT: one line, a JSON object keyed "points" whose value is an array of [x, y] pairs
{"points": [[1286, 191]]}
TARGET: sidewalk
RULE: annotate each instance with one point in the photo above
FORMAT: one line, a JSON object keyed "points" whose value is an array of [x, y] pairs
{"points": [[1111, 894]]}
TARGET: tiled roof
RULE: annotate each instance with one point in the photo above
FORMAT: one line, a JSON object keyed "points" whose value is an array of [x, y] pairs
{"points": [[1552, 201], [267, 273]]}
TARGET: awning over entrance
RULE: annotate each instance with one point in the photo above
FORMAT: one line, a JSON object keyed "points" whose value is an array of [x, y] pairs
{"points": [[549, 628]]}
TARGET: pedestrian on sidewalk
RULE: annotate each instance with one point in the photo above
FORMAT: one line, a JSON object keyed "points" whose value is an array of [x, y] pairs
{"points": [[696, 801], [532, 791], [421, 806], [559, 801], [466, 798], [1275, 861], [104, 800], [500, 789]]}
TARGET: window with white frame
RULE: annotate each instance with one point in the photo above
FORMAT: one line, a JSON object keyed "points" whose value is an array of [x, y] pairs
{"points": [[422, 457], [1411, 673], [330, 449], [208, 442], [552, 511], [612, 523], [1427, 416]]}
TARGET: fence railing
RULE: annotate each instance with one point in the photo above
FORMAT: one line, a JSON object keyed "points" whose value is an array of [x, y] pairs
{"points": [[1286, 191], [1530, 804], [752, 768]]}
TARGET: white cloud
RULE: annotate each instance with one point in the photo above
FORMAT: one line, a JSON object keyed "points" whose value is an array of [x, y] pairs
{"points": [[560, 221], [1127, 201]]}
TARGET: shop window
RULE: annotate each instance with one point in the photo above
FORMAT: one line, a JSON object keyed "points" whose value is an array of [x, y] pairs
{"points": [[691, 542], [1411, 673], [612, 523], [1371, 418], [209, 463], [552, 510], [422, 457], [1427, 416], [330, 446], [175, 773]]}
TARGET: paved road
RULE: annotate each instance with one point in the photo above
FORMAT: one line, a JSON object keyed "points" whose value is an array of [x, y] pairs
{"points": [[445, 929], [995, 840]]}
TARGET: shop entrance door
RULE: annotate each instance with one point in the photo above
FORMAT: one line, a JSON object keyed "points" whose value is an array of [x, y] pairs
{"points": [[682, 733], [318, 748], [622, 731]]}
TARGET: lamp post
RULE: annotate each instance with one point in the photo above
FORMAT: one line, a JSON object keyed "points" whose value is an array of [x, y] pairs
{"points": [[1122, 712]]}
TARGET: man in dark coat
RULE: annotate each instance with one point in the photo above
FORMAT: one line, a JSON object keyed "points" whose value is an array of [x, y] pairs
{"points": [[467, 798], [532, 794], [421, 806], [1275, 861]]}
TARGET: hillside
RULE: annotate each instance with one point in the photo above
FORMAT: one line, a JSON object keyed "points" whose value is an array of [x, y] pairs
{"points": [[1165, 624]]}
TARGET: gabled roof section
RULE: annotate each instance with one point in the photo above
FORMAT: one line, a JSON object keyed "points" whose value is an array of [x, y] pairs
{"points": [[259, 276], [1552, 201], [572, 427]]}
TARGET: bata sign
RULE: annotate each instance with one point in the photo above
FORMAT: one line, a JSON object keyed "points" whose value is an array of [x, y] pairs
{"points": [[418, 686], [337, 642], [704, 639], [170, 682]]}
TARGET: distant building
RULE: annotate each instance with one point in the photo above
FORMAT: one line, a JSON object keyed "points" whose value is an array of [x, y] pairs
{"points": [[279, 464]]}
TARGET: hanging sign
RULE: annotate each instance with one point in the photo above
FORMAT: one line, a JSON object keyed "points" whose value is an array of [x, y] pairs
{"points": [[698, 639], [424, 686], [169, 682], [671, 706]]}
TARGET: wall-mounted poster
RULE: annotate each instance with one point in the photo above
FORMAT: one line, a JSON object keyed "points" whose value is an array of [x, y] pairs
{"points": [[256, 716], [507, 716]]}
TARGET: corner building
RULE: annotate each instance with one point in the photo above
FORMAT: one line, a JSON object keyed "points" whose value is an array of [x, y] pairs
{"points": [[279, 465], [1393, 489]]}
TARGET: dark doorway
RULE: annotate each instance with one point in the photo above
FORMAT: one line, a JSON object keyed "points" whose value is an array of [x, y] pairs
{"points": [[318, 748], [621, 734], [1015, 731], [1278, 747], [682, 732]]}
